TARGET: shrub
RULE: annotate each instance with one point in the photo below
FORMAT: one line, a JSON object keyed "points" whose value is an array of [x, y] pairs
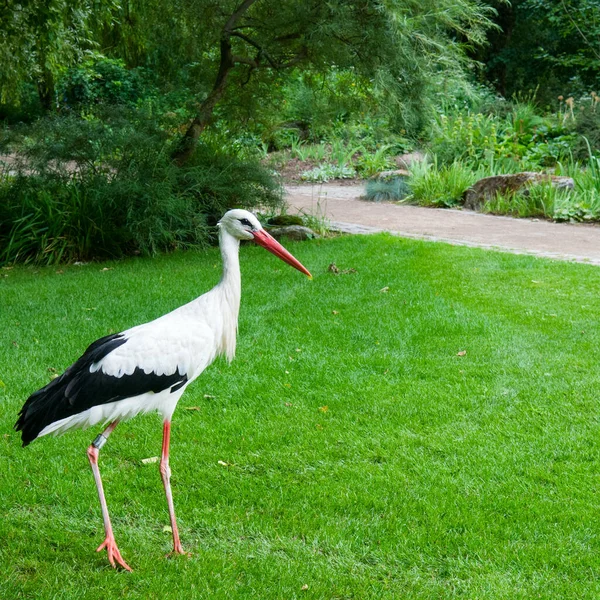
{"points": [[521, 135], [370, 163], [378, 190], [326, 171], [432, 185], [102, 80], [106, 189]]}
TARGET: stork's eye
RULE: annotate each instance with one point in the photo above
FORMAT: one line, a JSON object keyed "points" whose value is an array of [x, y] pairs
{"points": [[246, 223]]}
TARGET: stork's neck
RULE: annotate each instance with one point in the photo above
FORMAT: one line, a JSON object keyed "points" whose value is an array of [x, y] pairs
{"points": [[230, 253], [230, 289]]}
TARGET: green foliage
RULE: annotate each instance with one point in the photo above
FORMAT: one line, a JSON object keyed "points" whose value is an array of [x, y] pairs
{"points": [[103, 80], [307, 66], [94, 188], [327, 171], [40, 38], [371, 163], [585, 122], [582, 207], [536, 201], [379, 190], [440, 185], [522, 136], [548, 46], [546, 201]]}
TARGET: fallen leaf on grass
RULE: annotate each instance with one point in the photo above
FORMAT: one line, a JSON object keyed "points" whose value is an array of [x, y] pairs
{"points": [[289, 404], [304, 587], [192, 408], [107, 269], [333, 268], [385, 289], [335, 312], [209, 396], [323, 408], [461, 353], [151, 460], [167, 529], [223, 463]]}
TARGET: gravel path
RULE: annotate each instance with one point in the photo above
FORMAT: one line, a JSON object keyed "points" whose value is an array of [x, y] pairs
{"points": [[342, 206]]}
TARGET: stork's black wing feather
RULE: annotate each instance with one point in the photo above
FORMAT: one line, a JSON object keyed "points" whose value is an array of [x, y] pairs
{"points": [[78, 389]]}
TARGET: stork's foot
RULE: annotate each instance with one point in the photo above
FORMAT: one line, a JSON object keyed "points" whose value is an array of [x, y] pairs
{"points": [[177, 549], [114, 556]]}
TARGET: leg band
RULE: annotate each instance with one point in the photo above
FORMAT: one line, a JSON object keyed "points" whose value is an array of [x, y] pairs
{"points": [[99, 441]]}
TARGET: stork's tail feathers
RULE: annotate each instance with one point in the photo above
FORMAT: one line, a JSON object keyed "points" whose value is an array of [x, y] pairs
{"points": [[56, 400], [38, 411]]}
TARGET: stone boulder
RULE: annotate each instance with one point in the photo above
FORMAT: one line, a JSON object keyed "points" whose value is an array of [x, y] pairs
{"points": [[487, 188], [285, 220], [404, 161], [392, 174], [294, 232]]}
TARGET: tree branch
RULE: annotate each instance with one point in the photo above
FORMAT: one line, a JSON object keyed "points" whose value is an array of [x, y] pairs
{"points": [[245, 60], [234, 18], [579, 30], [261, 50]]}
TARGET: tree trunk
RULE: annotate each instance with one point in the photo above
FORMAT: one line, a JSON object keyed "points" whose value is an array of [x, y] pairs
{"points": [[45, 86], [187, 145]]}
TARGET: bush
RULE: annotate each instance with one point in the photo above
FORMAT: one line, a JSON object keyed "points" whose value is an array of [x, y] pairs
{"points": [[520, 136], [326, 171], [442, 186], [102, 80], [91, 189], [378, 190]]}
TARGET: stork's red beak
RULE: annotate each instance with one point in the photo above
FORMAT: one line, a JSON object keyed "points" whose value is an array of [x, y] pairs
{"points": [[267, 241]]}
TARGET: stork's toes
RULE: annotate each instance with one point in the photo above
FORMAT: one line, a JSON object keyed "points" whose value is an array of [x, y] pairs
{"points": [[177, 549], [113, 553]]}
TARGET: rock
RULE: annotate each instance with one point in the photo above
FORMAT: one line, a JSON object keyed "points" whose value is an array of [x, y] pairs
{"points": [[403, 161], [294, 232], [391, 174], [285, 220], [486, 188]]}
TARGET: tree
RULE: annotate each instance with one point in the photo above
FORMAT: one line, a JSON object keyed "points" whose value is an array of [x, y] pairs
{"points": [[550, 45], [38, 38], [402, 46]]}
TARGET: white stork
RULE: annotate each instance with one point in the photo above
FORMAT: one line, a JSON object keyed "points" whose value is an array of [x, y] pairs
{"points": [[148, 367]]}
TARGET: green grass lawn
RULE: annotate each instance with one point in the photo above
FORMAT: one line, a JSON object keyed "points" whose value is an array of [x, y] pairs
{"points": [[365, 458]]}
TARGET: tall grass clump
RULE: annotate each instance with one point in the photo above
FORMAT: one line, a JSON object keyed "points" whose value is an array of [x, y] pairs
{"points": [[440, 186], [583, 204], [92, 189], [382, 190]]}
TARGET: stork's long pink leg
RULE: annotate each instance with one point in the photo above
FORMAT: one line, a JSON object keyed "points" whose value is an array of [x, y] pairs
{"points": [[165, 473], [109, 541]]}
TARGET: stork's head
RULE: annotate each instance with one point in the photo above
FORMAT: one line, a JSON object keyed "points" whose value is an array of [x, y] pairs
{"points": [[243, 225]]}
